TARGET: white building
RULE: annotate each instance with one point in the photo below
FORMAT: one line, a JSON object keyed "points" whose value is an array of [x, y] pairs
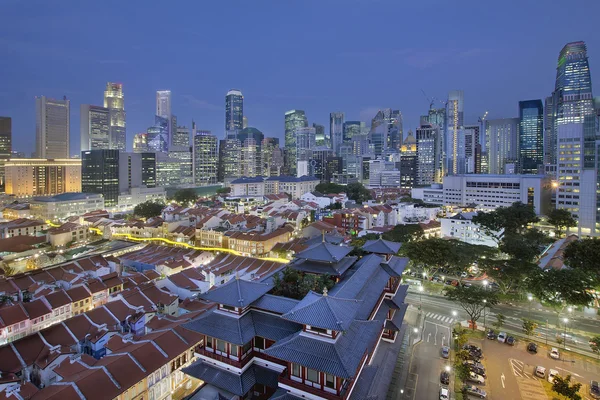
{"points": [[128, 200], [261, 186], [433, 194], [65, 205], [462, 228], [316, 197]]}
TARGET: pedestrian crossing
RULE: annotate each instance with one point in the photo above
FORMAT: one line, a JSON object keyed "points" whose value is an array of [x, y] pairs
{"points": [[438, 317]]}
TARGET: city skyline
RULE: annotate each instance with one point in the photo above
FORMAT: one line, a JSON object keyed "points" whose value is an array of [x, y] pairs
{"points": [[347, 83]]}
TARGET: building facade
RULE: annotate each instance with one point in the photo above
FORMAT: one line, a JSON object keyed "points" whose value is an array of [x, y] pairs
{"points": [[429, 154], [94, 127], [114, 100], [65, 205], [336, 130], [206, 158], [503, 144], [294, 119], [40, 177], [52, 127], [234, 110], [531, 136], [100, 174], [454, 143], [5, 145]]}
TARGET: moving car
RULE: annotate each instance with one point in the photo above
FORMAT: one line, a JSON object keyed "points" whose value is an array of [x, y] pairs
{"points": [[532, 348], [551, 374], [445, 378], [475, 391], [540, 371], [510, 340], [473, 377], [554, 353], [595, 389], [502, 337], [491, 335], [444, 394], [445, 352]]}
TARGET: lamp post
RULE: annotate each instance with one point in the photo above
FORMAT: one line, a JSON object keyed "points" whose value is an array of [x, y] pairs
{"points": [[484, 307], [565, 320], [530, 298], [555, 185], [421, 288]]}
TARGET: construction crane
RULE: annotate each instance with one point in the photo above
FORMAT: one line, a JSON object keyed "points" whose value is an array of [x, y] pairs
{"points": [[482, 118], [430, 99]]}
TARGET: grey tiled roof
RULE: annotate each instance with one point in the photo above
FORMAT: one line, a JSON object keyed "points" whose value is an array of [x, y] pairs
{"points": [[314, 267], [340, 358], [241, 330], [397, 264], [325, 252], [397, 319], [277, 304], [325, 312], [363, 383], [231, 382], [237, 292], [381, 246], [398, 300], [282, 394], [329, 238]]}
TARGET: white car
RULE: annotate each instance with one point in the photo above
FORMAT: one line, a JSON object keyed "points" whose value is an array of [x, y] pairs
{"points": [[473, 377], [551, 374], [444, 394], [540, 371], [502, 337], [554, 353]]}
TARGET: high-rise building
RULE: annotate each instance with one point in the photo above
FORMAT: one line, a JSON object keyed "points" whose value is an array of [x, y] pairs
{"points": [[114, 100], [251, 161], [163, 103], [148, 169], [472, 149], [100, 174], [503, 137], [42, 177], [181, 137], [305, 142], [272, 157], [94, 127], [321, 138], [531, 136], [52, 127], [205, 158], [354, 128], [140, 142], [244, 122], [229, 159], [294, 119], [408, 162], [317, 165], [386, 131], [336, 130], [454, 132], [574, 123], [158, 135], [429, 154], [5, 144], [234, 110], [550, 149]]}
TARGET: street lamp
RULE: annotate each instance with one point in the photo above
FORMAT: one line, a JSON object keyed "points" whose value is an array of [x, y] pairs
{"points": [[530, 298], [447, 368], [454, 313], [421, 288], [485, 283], [565, 320]]}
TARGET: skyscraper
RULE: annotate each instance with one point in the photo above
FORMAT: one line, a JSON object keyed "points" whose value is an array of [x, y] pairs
{"points": [[549, 135], [140, 142], [574, 122], [5, 144], [386, 131], [503, 136], [429, 154], [229, 159], [205, 158], [408, 162], [294, 119], [454, 132], [114, 100], [52, 127], [234, 110], [95, 127], [531, 136], [272, 157], [181, 137], [305, 142], [336, 130], [158, 134], [354, 128], [472, 150], [100, 174], [251, 147], [320, 138], [163, 103]]}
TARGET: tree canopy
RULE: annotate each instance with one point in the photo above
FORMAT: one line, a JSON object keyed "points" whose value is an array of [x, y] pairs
{"points": [[148, 209], [559, 288], [224, 190], [513, 219], [563, 386], [328, 187], [403, 233], [291, 283], [185, 196], [584, 255], [561, 220], [473, 299], [358, 193]]}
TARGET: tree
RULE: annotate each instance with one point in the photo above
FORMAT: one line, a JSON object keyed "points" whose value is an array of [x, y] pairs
{"points": [[326, 188], [224, 190], [525, 246], [403, 233], [559, 288], [429, 254], [358, 193], [500, 318], [462, 371], [529, 326], [563, 386], [561, 220], [290, 283], [185, 196], [513, 219], [471, 299], [584, 255], [148, 209], [595, 344], [510, 275], [335, 206], [460, 338]]}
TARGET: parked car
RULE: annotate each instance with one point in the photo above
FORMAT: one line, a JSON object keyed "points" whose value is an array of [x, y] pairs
{"points": [[473, 377], [532, 348], [445, 352], [475, 391], [554, 353], [510, 340], [477, 370], [595, 389], [540, 371], [491, 335], [473, 357], [472, 347], [551, 374], [444, 393], [445, 378], [502, 337], [474, 363]]}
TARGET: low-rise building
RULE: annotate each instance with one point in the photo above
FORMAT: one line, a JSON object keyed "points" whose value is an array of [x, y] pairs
{"points": [[261, 186], [258, 244], [16, 211], [42, 177], [67, 234], [22, 227], [65, 205], [461, 227], [128, 200]]}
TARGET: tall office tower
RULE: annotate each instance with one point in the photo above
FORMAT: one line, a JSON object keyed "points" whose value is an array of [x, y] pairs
{"points": [[181, 137], [317, 165], [140, 142], [206, 158], [354, 128], [472, 149], [251, 161], [229, 159], [158, 135], [531, 136], [148, 169], [294, 119], [320, 138], [305, 142], [52, 127], [244, 122], [336, 130], [454, 133], [5, 145], [163, 103], [100, 174], [503, 134], [386, 131], [27, 177], [182, 155], [408, 162], [94, 127], [272, 158], [115, 102], [429, 154], [574, 122], [234, 110], [549, 136]]}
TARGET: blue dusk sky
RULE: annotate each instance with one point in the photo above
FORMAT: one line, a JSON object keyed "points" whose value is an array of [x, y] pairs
{"points": [[321, 56]]}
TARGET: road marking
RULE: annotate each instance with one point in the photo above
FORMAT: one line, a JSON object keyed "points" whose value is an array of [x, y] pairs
{"points": [[502, 377], [566, 370], [439, 317], [517, 367], [428, 336]]}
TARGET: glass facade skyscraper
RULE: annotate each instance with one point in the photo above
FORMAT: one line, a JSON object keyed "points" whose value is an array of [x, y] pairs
{"points": [[52, 127], [531, 136], [5, 144], [100, 174], [336, 130], [114, 100], [234, 110], [294, 119], [454, 140]]}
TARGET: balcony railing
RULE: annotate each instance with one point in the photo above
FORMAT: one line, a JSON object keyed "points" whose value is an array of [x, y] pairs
{"points": [[309, 389]]}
